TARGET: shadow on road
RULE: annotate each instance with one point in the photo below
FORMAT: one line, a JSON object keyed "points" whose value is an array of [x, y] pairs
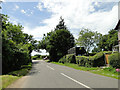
{"points": [[34, 70]]}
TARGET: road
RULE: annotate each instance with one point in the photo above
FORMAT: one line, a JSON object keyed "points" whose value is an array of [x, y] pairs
{"points": [[48, 75]]}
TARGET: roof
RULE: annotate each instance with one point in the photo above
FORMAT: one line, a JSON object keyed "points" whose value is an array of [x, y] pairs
{"points": [[118, 25], [116, 46]]}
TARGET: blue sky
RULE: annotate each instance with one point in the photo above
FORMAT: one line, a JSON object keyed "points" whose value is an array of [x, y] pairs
{"points": [[25, 13], [41, 17]]}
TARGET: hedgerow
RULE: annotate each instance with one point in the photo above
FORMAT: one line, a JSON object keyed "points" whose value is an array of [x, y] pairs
{"points": [[88, 61], [70, 58], [114, 60]]}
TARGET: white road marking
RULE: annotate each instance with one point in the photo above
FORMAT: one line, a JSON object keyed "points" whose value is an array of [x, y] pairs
{"points": [[77, 81], [50, 67]]}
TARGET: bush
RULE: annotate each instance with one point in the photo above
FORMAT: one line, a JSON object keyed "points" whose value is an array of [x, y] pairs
{"points": [[91, 61], [21, 72], [114, 60], [98, 59], [88, 61], [70, 58], [92, 54], [111, 69], [62, 60], [83, 61], [34, 57]]}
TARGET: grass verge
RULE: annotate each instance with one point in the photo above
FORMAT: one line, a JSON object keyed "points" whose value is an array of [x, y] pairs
{"points": [[14, 75], [8, 79], [109, 72]]}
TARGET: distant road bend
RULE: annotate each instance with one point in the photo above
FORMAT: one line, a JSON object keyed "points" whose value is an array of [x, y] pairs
{"points": [[48, 75]]}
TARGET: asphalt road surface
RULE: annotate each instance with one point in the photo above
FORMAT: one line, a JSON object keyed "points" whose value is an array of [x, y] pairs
{"points": [[48, 75]]}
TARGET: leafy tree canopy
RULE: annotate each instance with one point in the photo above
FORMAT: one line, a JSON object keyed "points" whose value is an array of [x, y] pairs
{"points": [[16, 46], [88, 39], [109, 40], [57, 42]]}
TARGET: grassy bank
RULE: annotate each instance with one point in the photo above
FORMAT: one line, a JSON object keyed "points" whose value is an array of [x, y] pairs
{"points": [[8, 79], [14, 75], [109, 72]]}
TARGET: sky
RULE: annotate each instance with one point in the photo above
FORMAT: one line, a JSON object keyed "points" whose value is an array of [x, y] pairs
{"points": [[41, 16]]}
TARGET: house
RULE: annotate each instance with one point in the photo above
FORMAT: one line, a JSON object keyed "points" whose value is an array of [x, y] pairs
{"points": [[118, 26], [78, 51], [115, 48]]}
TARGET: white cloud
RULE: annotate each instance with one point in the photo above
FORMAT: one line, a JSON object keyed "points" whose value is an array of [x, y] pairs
{"points": [[79, 14], [2, 0], [27, 12], [37, 32], [16, 6], [23, 11], [43, 52], [39, 6], [39, 0]]}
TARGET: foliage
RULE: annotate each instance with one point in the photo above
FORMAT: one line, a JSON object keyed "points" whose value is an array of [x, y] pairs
{"points": [[111, 69], [16, 46], [92, 54], [61, 25], [98, 59], [23, 71], [83, 61], [92, 61], [109, 40], [62, 60], [88, 39], [69, 58], [57, 42], [14, 75], [7, 80], [37, 57], [114, 60]]}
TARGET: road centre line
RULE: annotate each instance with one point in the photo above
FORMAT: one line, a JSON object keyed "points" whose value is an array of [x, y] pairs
{"points": [[77, 81], [50, 67]]}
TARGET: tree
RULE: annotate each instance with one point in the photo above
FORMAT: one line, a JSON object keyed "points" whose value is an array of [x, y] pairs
{"points": [[16, 46], [109, 40], [61, 24], [57, 42], [60, 42], [88, 39]]}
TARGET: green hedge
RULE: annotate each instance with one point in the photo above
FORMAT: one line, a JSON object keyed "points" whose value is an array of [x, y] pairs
{"points": [[98, 59], [91, 61], [114, 60], [70, 58], [62, 60], [35, 57]]}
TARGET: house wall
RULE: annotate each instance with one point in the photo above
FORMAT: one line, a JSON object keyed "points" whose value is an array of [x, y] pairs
{"points": [[119, 39], [119, 26], [119, 10]]}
